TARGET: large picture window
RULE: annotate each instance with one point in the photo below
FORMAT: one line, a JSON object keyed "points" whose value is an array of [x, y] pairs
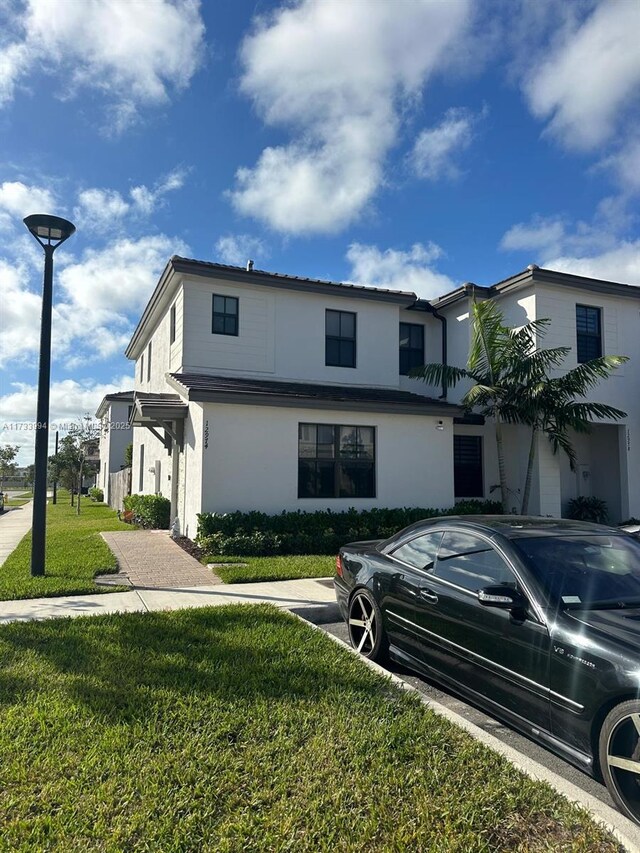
{"points": [[225, 315], [340, 338], [336, 461], [467, 466], [588, 332], [411, 346]]}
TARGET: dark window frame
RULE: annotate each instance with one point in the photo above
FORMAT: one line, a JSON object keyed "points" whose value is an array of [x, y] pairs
{"points": [[461, 472], [141, 473], [584, 338], [230, 319], [336, 464], [172, 325], [142, 368], [149, 362], [413, 355], [344, 343]]}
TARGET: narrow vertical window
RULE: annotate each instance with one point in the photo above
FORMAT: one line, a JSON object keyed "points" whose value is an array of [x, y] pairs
{"points": [[149, 362], [225, 315], [142, 368], [141, 474], [467, 466], [411, 346], [588, 332], [340, 338], [172, 324]]}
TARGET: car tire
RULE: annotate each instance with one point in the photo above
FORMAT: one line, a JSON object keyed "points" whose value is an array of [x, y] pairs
{"points": [[364, 623], [619, 755]]}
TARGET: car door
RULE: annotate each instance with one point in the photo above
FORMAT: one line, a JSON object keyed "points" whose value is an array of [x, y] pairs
{"points": [[501, 656], [409, 566]]}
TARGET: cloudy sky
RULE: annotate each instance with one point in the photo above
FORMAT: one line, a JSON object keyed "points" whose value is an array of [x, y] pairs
{"points": [[415, 144]]}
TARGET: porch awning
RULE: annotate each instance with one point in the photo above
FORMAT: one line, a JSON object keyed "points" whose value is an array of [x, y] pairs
{"points": [[160, 412]]}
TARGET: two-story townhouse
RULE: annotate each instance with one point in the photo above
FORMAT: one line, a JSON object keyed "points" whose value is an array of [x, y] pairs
{"points": [[113, 413], [261, 391], [593, 317]]}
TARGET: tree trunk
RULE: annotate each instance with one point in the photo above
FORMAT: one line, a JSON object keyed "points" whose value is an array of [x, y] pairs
{"points": [[501, 467], [529, 477], [79, 488], [72, 491]]}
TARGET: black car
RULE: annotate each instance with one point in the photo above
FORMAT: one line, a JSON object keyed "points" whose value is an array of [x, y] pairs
{"points": [[535, 619]]}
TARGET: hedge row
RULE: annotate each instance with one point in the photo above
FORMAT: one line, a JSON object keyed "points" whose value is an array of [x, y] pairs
{"points": [[255, 534], [149, 511]]}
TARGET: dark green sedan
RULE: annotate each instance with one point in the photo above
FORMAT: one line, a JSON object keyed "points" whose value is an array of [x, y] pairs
{"points": [[535, 619]]}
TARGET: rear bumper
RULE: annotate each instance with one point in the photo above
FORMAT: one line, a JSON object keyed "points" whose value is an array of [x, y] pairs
{"points": [[342, 596]]}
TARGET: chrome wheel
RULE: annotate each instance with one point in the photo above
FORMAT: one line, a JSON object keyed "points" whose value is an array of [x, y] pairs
{"points": [[363, 624], [623, 763]]}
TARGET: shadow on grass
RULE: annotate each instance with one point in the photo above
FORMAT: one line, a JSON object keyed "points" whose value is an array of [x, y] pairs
{"points": [[120, 667]]}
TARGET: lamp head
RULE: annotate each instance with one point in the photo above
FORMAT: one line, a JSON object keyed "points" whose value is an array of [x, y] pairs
{"points": [[49, 230]]}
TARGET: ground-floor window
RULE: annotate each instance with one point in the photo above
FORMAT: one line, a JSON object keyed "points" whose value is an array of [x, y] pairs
{"points": [[336, 461], [467, 466]]}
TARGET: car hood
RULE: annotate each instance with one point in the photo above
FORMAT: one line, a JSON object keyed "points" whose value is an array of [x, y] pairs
{"points": [[620, 625]]}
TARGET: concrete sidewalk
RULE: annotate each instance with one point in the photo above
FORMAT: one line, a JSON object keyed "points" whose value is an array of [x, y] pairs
{"points": [[15, 521], [289, 595]]}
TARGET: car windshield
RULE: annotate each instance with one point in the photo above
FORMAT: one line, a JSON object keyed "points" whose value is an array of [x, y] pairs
{"points": [[585, 571]]}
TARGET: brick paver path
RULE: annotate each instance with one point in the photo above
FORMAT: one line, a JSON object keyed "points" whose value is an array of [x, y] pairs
{"points": [[152, 560]]}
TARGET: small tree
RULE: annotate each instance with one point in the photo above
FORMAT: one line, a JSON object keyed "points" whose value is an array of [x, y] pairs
{"points": [[30, 476], [85, 435], [65, 465], [128, 456], [8, 453]]}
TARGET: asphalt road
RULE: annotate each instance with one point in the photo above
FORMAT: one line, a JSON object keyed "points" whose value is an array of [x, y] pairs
{"points": [[328, 618]]}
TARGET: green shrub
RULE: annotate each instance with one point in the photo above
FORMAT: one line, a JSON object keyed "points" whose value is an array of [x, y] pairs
{"points": [[149, 511], [588, 509], [96, 494], [256, 534]]}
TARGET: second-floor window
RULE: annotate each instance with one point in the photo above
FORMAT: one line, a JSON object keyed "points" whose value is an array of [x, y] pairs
{"points": [[149, 362], [225, 315], [340, 338], [172, 324], [588, 332], [411, 346], [142, 368]]}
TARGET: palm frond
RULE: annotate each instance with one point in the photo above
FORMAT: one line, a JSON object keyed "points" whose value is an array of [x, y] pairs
{"points": [[437, 374]]}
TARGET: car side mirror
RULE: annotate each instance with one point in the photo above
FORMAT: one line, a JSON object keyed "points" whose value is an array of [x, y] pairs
{"points": [[502, 596]]}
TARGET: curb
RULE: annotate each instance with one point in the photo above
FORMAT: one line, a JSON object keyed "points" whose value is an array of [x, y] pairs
{"points": [[623, 830]]}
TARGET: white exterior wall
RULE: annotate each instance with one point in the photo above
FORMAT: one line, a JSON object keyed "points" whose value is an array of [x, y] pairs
{"points": [[282, 335], [251, 462], [115, 435], [165, 357]]}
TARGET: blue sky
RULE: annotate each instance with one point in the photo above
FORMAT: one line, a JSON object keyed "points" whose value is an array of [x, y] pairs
{"points": [[415, 144]]}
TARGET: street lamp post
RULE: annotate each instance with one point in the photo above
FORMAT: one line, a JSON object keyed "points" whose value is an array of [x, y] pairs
{"points": [[50, 232]]}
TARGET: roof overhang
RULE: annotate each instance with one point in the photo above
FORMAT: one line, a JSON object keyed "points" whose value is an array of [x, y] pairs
{"points": [[166, 412], [121, 397], [428, 408]]}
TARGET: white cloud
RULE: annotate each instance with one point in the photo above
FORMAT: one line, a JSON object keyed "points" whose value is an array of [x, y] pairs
{"points": [[336, 74], [621, 263], [69, 400], [397, 270], [625, 164], [541, 234], [98, 208], [18, 200], [435, 149], [583, 84], [97, 300], [134, 52], [237, 249]]}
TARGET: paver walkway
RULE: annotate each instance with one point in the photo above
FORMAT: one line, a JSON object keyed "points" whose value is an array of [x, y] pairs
{"points": [[152, 560], [15, 521]]}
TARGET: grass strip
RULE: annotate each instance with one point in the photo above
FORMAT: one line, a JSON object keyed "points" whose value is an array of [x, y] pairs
{"points": [[240, 728], [75, 553], [255, 569]]}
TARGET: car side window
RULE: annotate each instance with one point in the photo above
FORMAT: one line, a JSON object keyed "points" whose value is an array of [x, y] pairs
{"points": [[470, 562], [420, 551]]}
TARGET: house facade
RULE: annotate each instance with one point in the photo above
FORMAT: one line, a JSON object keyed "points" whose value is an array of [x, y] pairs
{"points": [[260, 391], [113, 413]]}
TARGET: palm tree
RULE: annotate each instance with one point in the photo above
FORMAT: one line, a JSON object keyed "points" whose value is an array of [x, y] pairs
{"points": [[512, 385]]}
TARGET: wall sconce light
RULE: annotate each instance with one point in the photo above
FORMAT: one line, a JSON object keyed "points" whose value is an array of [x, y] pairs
{"points": [[440, 425]]}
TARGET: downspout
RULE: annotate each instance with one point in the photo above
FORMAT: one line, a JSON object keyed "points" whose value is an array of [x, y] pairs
{"points": [[443, 320]]}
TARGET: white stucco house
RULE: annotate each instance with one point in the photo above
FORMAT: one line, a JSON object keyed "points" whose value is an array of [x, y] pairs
{"points": [[261, 391], [113, 413]]}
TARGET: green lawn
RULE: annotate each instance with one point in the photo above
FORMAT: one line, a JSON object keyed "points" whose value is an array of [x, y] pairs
{"points": [[17, 501], [75, 553], [272, 568], [242, 729]]}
